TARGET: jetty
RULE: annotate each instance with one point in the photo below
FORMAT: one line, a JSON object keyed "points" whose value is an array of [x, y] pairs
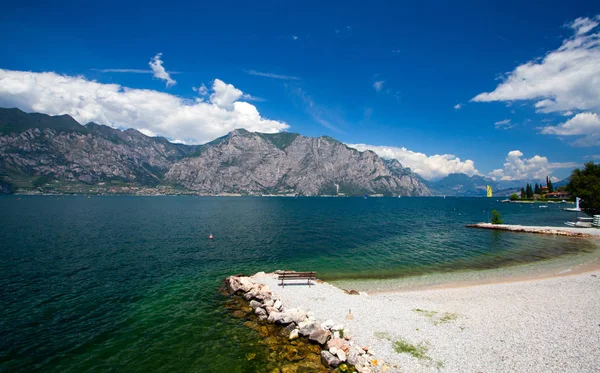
{"points": [[559, 231]]}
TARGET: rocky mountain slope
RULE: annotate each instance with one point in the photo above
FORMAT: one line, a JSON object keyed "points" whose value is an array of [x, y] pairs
{"points": [[37, 150], [271, 163]]}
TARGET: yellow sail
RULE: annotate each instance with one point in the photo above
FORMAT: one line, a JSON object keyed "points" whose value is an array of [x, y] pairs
{"points": [[489, 191]]}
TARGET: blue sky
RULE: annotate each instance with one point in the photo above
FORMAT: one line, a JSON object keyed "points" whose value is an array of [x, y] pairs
{"points": [[399, 79]]}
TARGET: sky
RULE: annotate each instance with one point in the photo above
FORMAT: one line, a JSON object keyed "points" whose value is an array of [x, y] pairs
{"points": [[500, 89]]}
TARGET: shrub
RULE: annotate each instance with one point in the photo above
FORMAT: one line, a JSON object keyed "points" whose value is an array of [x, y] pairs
{"points": [[496, 217]]}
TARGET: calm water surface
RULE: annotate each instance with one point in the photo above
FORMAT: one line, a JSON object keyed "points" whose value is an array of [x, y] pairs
{"points": [[130, 283]]}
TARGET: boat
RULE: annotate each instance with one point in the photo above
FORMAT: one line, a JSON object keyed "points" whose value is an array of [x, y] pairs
{"points": [[576, 208], [543, 206], [580, 223]]}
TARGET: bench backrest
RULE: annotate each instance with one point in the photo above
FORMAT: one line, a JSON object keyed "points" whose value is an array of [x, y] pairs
{"points": [[297, 275]]}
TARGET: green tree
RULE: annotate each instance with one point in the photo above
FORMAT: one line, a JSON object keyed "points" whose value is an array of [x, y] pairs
{"points": [[496, 217], [523, 195], [550, 186], [536, 190], [514, 197], [529, 191], [585, 184]]}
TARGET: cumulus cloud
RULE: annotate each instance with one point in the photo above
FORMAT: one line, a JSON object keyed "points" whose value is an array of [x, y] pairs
{"points": [[159, 71], [518, 168], [378, 85], [584, 125], [194, 121], [458, 106], [430, 167], [565, 79]]}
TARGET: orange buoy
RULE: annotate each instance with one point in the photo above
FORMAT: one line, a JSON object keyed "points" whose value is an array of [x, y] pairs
{"points": [[210, 237]]}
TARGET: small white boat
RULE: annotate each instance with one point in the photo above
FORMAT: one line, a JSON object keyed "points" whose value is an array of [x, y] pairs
{"points": [[580, 223], [543, 206], [576, 208]]}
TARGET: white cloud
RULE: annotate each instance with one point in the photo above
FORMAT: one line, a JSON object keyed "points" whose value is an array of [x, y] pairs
{"points": [[458, 106], [430, 167], [147, 132], [271, 75], [294, 37], [518, 168], [202, 90], [504, 124], [378, 85], [112, 104], [584, 25], [565, 79], [586, 125], [159, 71]]}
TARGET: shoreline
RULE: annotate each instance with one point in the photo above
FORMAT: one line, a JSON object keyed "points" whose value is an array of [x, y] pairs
{"points": [[537, 325], [559, 231]]}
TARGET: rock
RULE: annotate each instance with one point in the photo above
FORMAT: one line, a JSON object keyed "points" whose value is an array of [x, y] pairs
{"points": [[341, 354], [333, 350], [271, 309], [275, 316], [320, 336], [262, 317], [254, 304], [285, 332], [294, 334], [336, 334], [307, 328], [278, 304], [293, 315], [329, 360], [238, 314], [335, 343], [260, 312], [338, 327], [327, 324], [269, 303]]}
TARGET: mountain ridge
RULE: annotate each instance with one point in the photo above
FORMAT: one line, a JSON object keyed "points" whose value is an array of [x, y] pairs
{"points": [[42, 152]]}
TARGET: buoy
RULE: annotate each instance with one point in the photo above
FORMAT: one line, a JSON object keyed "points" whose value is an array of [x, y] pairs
{"points": [[210, 237]]}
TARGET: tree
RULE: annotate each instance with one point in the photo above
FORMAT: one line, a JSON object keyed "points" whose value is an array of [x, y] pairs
{"points": [[537, 189], [514, 197], [550, 186], [523, 195], [585, 184], [529, 191], [496, 217]]}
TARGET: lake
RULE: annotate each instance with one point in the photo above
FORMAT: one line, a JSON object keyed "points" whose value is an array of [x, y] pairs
{"points": [[130, 283]]}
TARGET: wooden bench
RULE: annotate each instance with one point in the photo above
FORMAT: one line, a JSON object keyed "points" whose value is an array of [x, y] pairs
{"points": [[297, 276]]}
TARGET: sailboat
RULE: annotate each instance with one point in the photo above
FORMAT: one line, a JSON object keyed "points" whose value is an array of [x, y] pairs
{"points": [[489, 190]]}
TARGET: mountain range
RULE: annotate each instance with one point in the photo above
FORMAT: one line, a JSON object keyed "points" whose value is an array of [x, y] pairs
{"points": [[457, 184], [56, 153]]}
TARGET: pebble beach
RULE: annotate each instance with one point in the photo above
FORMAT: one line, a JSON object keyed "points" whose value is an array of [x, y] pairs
{"points": [[539, 325]]}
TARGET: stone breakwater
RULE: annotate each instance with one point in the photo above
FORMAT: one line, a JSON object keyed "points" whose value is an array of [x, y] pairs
{"points": [[559, 231], [338, 352]]}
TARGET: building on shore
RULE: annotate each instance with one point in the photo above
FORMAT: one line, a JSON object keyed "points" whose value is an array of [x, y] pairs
{"points": [[559, 195]]}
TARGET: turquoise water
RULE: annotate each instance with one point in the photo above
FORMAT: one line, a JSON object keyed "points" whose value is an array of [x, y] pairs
{"points": [[130, 283]]}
